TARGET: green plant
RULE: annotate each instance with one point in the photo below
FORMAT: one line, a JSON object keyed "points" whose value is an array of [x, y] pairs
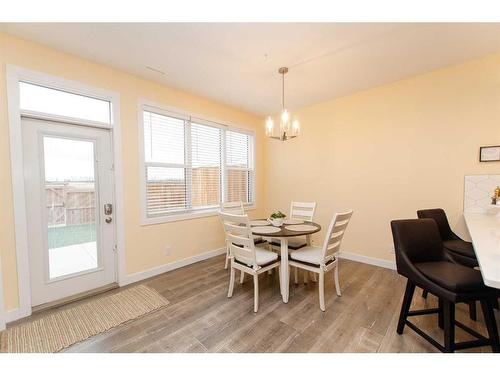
{"points": [[278, 215]]}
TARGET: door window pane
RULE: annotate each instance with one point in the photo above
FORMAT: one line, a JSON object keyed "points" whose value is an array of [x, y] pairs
{"points": [[70, 197], [56, 102]]}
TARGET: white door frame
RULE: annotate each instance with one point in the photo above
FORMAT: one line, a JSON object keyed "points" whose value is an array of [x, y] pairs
{"points": [[15, 74]]}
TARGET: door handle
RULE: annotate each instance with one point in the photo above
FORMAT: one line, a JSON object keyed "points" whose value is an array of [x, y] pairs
{"points": [[108, 220]]}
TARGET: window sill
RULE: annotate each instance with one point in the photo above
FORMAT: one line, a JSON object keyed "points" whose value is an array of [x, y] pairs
{"points": [[185, 216]]}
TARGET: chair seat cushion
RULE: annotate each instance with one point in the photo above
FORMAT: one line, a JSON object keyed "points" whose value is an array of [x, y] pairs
{"points": [[264, 256], [452, 276], [463, 248], [293, 243], [308, 254]]}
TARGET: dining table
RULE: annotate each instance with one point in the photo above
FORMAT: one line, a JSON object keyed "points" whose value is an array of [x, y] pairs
{"points": [[283, 233]]}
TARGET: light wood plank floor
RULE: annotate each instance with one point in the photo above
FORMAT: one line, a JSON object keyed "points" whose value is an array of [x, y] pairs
{"points": [[200, 317]]}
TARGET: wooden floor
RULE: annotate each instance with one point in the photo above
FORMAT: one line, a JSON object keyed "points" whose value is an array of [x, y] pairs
{"points": [[200, 317]]}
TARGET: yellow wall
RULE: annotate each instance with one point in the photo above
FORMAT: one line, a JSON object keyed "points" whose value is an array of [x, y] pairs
{"points": [[391, 150], [144, 245], [384, 152]]}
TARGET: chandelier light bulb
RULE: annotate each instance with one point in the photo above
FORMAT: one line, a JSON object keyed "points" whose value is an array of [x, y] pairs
{"points": [[285, 117], [269, 126], [295, 127]]}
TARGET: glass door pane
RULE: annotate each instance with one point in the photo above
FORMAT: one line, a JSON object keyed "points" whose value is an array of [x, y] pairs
{"points": [[70, 196]]}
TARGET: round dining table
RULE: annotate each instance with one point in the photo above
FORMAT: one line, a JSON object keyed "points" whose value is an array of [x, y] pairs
{"points": [[283, 235]]}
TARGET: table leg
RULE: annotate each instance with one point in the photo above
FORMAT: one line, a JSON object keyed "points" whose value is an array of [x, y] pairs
{"points": [[285, 277]]}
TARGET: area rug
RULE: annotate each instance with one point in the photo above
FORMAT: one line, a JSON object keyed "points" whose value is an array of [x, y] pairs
{"points": [[58, 330]]}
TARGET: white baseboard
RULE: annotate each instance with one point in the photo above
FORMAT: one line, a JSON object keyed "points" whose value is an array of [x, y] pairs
{"points": [[138, 276], [368, 260], [15, 314]]}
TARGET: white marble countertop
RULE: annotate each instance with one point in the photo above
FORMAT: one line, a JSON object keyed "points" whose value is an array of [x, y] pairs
{"points": [[484, 230]]}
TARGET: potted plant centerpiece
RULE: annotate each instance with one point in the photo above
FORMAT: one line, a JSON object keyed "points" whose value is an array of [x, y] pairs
{"points": [[276, 218]]}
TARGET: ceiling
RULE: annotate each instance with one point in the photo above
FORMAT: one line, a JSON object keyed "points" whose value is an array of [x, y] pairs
{"points": [[237, 63]]}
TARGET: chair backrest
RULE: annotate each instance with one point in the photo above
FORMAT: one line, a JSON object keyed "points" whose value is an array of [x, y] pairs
{"points": [[334, 235], [302, 210], [239, 237], [439, 216], [233, 208], [416, 241]]}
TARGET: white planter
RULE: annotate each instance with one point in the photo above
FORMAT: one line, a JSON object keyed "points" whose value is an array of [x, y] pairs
{"points": [[276, 222]]}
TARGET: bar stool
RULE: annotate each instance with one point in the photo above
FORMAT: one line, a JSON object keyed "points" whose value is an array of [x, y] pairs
{"points": [[461, 251], [421, 258]]}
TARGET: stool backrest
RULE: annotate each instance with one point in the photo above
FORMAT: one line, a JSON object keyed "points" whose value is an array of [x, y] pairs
{"points": [[239, 237], [233, 208], [416, 241], [335, 234], [302, 210], [439, 216]]}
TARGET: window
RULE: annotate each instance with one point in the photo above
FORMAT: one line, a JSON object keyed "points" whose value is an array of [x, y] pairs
{"points": [[41, 99], [192, 165]]}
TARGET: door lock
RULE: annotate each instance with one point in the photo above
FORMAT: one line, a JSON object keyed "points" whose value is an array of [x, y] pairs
{"points": [[108, 209]]}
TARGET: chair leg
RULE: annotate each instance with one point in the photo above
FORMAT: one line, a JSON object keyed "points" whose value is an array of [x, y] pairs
{"points": [[296, 273], [472, 311], [321, 288], [227, 258], [440, 314], [336, 279], [231, 283], [449, 326], [313, 276], [491, 324], [424, 294], [405, 307], [255, 293], [242, 277]]}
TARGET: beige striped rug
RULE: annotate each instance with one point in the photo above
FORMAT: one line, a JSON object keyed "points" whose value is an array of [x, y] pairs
{"points": [[56, 331]]}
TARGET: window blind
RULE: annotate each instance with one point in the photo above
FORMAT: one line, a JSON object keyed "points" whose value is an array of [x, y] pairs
{"points": [[239, 168], [165, 163], [205, 166], [185, 168]]}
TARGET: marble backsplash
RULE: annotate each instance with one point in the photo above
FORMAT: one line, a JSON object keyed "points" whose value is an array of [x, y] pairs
{"points": [[478, 191]]}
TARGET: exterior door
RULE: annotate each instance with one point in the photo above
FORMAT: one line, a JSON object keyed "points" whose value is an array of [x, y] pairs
{"points": [[68, 172]]}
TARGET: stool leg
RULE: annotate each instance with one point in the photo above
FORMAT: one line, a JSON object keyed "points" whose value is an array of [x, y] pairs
{"points": [[491, 324], [449, 326], [424, 294], [440, 314], [472, 311], [405, 307]]}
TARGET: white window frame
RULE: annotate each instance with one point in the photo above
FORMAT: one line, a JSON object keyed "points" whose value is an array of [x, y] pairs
{"points": [[145, 105]]}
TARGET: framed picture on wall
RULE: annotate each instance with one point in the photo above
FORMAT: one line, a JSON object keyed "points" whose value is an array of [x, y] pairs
{"points": [[489, 153]]}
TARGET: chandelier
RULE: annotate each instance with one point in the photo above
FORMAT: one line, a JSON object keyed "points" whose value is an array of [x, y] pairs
{"points": [[288, 129]]}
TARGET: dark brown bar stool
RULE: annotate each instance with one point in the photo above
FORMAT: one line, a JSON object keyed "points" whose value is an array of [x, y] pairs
{"points": [[421, 258], [461, 251]]}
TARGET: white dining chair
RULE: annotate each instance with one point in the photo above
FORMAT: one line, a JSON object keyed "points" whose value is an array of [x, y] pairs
{"points": [[244, 255], [299, 211], [323, 259], [231, 208], [236, 208]]}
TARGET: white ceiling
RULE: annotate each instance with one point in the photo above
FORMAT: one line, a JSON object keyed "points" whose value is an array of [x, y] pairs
{"points": [[237, 63]]}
